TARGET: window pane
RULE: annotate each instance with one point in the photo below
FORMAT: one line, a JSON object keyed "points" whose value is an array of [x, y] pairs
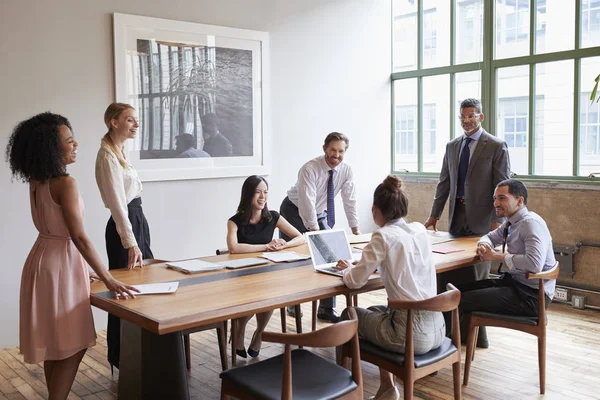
{"points": [[511, 114], [436, 33], [469, 31], [555, 29], [589, 146], [405, 35], [405, 139], [466, 85], [512, 28], [436, 113], [590, 23], [554, 119]]}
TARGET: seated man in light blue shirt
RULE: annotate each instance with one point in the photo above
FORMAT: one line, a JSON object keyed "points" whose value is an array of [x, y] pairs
{"points": [[526, 248]]}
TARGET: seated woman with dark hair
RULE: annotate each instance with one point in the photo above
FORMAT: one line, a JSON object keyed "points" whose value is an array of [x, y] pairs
{"points": [[403, 255], [251, 230]]}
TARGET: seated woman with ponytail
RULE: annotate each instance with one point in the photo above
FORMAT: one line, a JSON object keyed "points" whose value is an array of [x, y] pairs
{"points": [[402, 252]]}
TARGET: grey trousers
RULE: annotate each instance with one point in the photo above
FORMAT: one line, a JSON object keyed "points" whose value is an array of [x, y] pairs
{"points": [[289, 211], [386, 328]]}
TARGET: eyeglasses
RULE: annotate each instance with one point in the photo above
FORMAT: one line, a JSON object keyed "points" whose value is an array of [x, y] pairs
{"points": [[470, 117]]}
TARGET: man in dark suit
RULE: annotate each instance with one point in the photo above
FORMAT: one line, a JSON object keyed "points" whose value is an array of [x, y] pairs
{"points": [[473, 165], [215, 143]]}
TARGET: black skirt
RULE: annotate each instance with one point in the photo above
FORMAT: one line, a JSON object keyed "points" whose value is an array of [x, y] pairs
{"points": [[117, 258]]}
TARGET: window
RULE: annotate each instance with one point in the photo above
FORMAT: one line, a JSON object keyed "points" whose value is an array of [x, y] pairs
{"points": [[590, 126], [513, 121], [531, 75], [405, 129]]}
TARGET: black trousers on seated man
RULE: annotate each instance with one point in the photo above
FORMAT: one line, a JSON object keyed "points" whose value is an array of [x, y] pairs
{"points": [[499, 296], [289, 211]]}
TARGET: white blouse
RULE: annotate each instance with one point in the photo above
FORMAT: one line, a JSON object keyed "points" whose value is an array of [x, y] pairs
{"points": [[403, 255], [118, 186]]}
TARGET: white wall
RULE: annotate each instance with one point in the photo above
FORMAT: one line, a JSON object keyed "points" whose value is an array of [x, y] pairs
{"points": [[330, 65]]}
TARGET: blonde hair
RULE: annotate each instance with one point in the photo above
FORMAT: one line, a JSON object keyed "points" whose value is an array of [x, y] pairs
{"points": [[113, 111]]}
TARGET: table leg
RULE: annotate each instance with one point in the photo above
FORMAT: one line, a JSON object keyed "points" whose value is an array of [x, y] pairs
{"points": [[152, 366]]}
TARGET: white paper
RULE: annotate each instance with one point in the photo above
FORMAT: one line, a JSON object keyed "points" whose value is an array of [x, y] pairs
{"points": [[284, 256], [362, 238], [193, 266], [156, 288]]}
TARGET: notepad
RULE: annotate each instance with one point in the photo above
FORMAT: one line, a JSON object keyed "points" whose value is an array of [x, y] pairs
{"points": [[360, 246], [156, 288], [364, 238], [445, 249], [193, 266], [284, 256], [243, 262], [438, 237]]}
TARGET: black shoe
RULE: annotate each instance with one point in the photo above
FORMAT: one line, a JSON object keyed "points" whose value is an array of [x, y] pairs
{"points": [[253, 353], [328, 314], [241, 353], [291, 310]]}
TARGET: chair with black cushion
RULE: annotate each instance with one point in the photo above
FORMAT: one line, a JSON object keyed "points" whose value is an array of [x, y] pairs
{"points": [[281, 313], [300, 374], [529, 325], [409, 367], [221, 328]]}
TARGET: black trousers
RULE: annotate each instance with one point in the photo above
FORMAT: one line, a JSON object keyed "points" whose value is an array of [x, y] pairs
{"points": [[500, 296], [118, 257], [289, 211]]}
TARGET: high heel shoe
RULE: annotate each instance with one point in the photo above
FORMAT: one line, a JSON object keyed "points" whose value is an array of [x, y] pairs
{"points": [[242, 353]]}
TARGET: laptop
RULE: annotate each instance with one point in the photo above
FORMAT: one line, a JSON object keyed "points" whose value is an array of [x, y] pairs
{"points": [[326, 248]]}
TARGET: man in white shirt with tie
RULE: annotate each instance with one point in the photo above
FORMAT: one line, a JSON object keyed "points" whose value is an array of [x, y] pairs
{"points": [[309, 205]]}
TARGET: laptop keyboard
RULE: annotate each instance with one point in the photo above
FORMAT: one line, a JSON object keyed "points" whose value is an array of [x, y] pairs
{"points": [[331, 269]]}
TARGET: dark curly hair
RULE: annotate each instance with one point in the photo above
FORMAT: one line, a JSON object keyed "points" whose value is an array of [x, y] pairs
{"points": [[34, 151]]}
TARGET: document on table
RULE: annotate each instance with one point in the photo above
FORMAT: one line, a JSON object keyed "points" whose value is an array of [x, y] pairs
{"points": [[284, 256], [439, 237], [193, 266], [445, 249], [363, 238], [156, 288]]}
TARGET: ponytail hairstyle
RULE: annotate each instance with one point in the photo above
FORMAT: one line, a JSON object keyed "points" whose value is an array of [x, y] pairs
{"points": [[113, 111], [391, 199]]}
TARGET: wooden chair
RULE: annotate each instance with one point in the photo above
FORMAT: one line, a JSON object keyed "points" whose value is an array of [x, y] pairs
{"points": [[410, 367], [313, 376], [221, 328], [529, 325], [282, 314]]}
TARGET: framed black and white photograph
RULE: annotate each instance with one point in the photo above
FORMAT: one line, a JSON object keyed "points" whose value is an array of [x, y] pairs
{"points": [[199, 92]]}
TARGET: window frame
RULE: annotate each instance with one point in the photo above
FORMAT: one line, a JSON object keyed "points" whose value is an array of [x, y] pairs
{"points": [[488, 67]]}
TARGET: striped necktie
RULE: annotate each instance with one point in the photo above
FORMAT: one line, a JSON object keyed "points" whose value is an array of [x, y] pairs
{"points": [[330, 200]]}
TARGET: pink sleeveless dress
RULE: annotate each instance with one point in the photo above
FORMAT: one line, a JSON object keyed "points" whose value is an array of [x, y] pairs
{"points": [[55, 312]]}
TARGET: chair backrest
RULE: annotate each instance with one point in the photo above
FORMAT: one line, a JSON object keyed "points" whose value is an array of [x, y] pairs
{"points": [[222, 251], [552, 273], [333, 335], [443, 302]]}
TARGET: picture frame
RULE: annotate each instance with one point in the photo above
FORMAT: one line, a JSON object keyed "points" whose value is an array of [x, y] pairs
{"points": [[200, 93]]}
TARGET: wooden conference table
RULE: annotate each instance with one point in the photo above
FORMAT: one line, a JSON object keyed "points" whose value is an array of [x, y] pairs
{"points": [[152, 354]]}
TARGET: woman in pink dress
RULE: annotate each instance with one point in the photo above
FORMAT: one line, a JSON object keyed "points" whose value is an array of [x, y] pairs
{"points": [[56, 323]]}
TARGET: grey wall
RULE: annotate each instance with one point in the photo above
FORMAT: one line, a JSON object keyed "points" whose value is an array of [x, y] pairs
{"points": [[330, 64]]}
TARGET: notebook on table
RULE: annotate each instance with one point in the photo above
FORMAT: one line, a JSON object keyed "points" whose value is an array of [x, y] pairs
{"points": [[284, 256], [445, 249], [244, 262], [193, 266], [327, 247]]}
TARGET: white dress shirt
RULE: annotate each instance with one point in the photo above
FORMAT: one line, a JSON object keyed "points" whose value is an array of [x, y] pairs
{"points": [[309, 194], [403, 255], [118, 186]]}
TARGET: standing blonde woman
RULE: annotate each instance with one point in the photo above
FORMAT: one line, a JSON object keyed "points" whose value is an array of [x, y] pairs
{"points": [[127, 233], [56, 324]]}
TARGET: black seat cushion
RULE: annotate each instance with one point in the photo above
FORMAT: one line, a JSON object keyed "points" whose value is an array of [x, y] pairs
{"points": [[313, 378], [511, 318], [446, 349]]}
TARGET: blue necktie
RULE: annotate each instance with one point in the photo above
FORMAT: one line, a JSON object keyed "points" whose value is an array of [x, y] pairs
{"points": [[463, 166], [330, 200]]}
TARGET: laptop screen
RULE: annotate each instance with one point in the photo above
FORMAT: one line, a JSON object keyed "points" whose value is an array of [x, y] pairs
{"points": [[328, 246]]}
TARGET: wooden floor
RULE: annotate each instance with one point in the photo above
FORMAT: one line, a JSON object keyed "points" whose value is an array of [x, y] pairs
{"points": [[507, 370]]}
